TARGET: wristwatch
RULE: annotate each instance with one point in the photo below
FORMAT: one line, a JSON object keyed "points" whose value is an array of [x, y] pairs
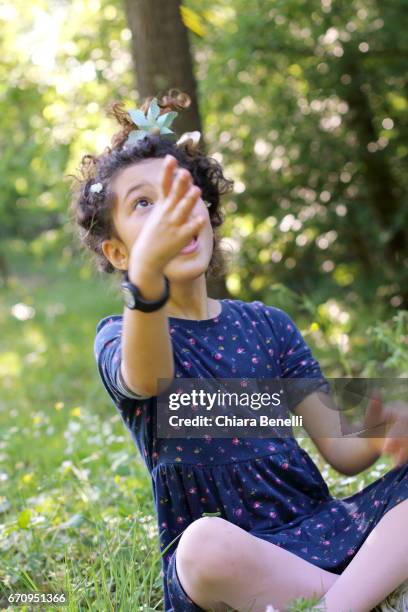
{"points": [[134, 300]]}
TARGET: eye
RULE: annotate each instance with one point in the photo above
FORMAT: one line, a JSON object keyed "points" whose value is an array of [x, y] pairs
{"points": [[136, 202]]}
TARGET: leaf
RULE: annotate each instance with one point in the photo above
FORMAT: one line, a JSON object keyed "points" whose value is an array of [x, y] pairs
{"points": [[166, 130], [136, 135], [123, 470], [24, 519], [154, 111], [139, 118], [193, 21], [167, 119]]}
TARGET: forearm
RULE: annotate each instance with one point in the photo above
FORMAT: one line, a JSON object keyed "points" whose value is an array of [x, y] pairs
{"points": [[351, 456], [147, 353], [338, 440]]}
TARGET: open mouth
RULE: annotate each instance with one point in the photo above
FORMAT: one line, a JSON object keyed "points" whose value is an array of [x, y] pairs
{"points": [[191, 246]]}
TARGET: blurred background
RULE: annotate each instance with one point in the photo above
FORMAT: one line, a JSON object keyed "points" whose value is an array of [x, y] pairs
{"points": [[305, 107]]}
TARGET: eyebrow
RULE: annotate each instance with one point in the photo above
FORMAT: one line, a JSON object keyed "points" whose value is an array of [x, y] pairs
{"points": [[135, 188]]}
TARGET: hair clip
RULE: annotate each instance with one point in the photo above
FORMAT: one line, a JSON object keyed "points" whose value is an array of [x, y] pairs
{"points": [[208, 204], [191, 138], [96, 188]]}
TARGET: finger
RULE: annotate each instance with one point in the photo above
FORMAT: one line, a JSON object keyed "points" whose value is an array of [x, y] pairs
{"points": [[377, 395], [402, 457], [169, 166], [389, 446], [185, 205], [395, 447], [396, 412], [373, 415], [374, 408], [393, 437], [399, 457], [181, 184], [192, 227], [394, 433]]}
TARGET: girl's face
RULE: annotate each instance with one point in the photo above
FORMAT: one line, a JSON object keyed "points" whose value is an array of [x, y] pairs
{"points": [[137, 191]]}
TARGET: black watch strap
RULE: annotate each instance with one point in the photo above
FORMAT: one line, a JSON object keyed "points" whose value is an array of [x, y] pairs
{"points": [[134, 299]]}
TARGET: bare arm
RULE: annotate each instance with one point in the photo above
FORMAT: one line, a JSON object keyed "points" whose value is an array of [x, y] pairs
{"points": [[348, 456], [147, 353], [321, 419]]}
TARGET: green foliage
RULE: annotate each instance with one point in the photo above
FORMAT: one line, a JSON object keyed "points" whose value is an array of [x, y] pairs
{"points": [[390, 341], [62, 63], [306, 107]]}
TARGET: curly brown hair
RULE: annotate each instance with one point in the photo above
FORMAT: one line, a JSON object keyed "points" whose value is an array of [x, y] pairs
{"points": [[91, 212]]}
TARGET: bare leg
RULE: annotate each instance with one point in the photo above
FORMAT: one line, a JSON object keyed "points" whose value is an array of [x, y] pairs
{"points": [[378, 568], [219, 565]]}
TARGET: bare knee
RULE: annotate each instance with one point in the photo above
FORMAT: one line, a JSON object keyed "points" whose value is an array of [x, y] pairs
{"points": [[205, 553]]}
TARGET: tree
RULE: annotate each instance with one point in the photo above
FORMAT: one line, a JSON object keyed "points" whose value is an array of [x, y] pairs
{"points": [[162, 59], [309, 109]]}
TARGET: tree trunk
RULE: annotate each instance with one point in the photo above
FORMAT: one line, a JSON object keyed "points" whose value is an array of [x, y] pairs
{"points": [[162, 60]]}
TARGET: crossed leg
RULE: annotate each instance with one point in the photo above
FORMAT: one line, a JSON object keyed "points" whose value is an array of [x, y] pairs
{"points": [[221, 566], [377, 569]]}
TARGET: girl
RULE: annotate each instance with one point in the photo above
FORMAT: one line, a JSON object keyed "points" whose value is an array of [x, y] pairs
{"points": [[150, 208]]}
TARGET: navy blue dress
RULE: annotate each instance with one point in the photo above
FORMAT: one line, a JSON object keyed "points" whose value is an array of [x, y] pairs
{"points": [[270, 487]]}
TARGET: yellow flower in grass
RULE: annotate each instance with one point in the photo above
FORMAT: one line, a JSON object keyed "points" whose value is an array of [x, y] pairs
{"points": [[76, 411], [59, 405], [27, 478]]}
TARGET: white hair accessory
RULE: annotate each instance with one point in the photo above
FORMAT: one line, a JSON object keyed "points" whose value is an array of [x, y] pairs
{"points": [[96, 188], [208, 204], [192, 138]]}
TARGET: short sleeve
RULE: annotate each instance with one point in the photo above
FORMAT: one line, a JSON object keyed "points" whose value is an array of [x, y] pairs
{"points": [[297, 362], [108, 355]]}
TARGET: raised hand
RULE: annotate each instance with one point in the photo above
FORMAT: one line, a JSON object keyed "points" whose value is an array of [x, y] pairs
{"points": [[390, 420], [170, 225]]}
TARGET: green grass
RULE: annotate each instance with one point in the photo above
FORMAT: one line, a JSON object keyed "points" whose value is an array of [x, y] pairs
{"points": [[76, 512]]}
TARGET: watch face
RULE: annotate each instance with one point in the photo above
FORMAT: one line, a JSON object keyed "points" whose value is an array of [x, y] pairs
{"points": [[129, 297]]}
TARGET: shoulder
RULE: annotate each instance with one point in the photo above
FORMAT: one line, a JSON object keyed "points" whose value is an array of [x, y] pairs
{"points": [[260, 310], [107, 329], [270, 321], [112, 320]]}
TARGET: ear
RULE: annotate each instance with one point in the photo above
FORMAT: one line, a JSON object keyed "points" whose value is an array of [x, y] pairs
{"points": [[115, 251]]}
